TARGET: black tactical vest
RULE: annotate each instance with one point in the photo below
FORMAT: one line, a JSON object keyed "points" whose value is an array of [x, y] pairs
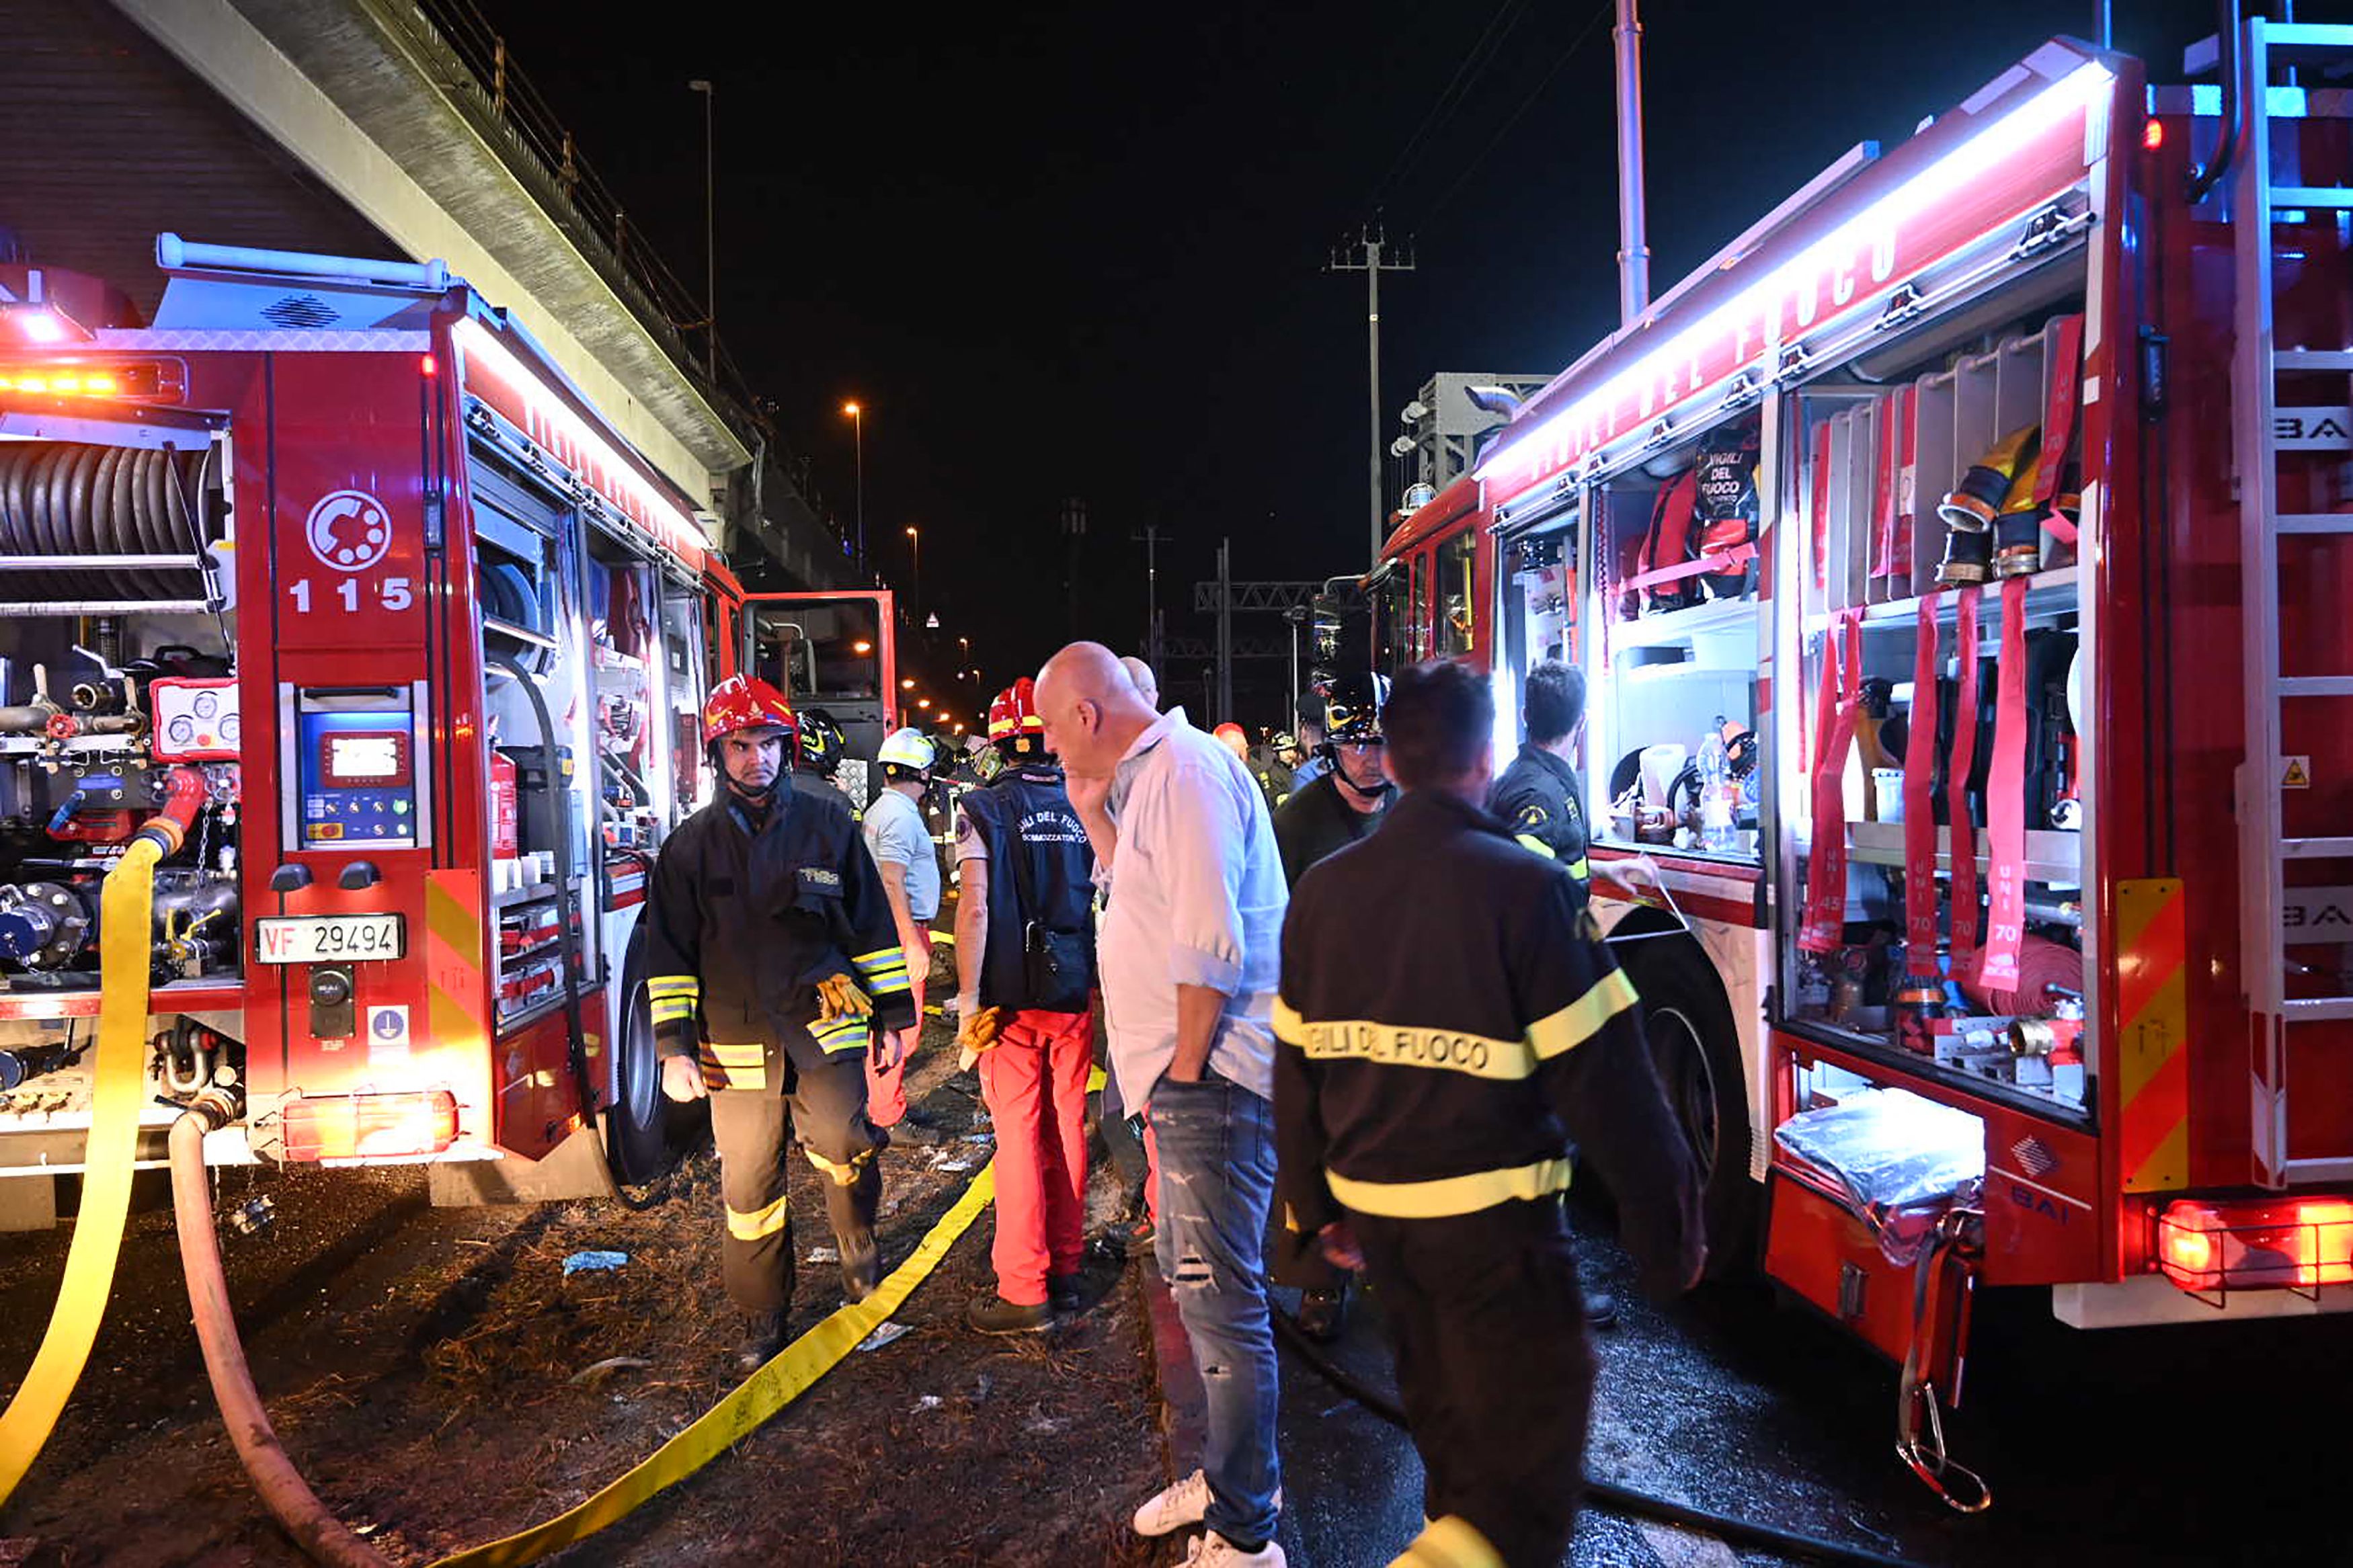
{"points": [[1026, 812]]}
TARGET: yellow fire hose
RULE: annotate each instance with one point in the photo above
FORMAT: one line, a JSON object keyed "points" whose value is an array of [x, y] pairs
{"points": [[120, 1095], [796, 1367], [120, 1092], [791, 1373]]}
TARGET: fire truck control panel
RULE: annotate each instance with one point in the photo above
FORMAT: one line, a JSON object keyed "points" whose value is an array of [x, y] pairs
{"points": [[355, 765]]}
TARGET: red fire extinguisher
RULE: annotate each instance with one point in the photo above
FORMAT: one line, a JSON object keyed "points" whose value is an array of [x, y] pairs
{"points": [[504, 808]]}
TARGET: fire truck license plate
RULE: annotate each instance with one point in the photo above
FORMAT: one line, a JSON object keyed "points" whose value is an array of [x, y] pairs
{"points": [[328, 938]]}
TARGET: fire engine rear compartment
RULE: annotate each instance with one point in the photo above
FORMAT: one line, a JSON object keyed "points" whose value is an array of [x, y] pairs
{"points": [[1672, 661], [2100, 1074], [1871, 423], [117, 622]]}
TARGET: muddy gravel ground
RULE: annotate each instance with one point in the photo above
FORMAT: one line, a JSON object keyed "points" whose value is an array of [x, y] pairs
{"points": [[442, 1382]]}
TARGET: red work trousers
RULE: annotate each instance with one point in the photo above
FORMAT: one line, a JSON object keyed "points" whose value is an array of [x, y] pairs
{"points": [[1035, 1083], [886, 1095]]}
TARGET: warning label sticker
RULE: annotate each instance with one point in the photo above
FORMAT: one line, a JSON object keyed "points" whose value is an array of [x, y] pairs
{"points": [[387, 1034], [2297, 775]]}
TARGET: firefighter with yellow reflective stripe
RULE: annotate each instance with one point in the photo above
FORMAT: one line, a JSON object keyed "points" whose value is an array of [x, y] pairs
{"points": [[1537, 797], [1423, 1108], [774, 970]]}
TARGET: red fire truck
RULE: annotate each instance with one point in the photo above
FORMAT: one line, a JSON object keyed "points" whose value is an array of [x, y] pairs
{"points": [[332, 550], [1957, 563]]}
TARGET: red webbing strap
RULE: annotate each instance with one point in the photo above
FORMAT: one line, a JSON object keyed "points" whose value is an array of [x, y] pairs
{"points": [[2059, 413], [1956, 788], [1823, 507], [2059, 428], [1919, 799], [1824, 930], [1722, 561], [2006, 802]]}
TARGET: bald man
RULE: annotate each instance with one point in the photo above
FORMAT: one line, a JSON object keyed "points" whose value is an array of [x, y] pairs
{"points": [[1145, 681], [1188, 953]]}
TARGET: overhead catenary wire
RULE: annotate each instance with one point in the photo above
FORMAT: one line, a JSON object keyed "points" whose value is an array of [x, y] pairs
{"points": [[1452, 96], [1467, 170]]}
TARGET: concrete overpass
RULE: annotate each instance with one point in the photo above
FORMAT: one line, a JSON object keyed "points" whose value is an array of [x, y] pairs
{"points": [[383, 127]]}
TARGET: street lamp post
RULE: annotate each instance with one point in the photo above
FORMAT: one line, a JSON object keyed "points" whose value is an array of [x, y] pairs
{"points": [[858, 446], [916, 558], [710, 233]]}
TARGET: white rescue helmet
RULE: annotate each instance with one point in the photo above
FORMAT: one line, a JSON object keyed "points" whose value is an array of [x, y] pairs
{"points": [[906, 749]]}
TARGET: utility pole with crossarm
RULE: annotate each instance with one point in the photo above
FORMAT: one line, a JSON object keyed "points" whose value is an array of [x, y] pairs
{"points": [[1372, 253]]}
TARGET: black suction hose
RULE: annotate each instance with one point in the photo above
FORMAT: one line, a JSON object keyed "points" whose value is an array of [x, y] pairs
{"points": [[564, 907], [1609, 1495], [2226, 145]]}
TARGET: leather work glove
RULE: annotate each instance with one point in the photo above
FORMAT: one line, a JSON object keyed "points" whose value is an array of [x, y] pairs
{"points": [[838, 996], [979, 1033]]}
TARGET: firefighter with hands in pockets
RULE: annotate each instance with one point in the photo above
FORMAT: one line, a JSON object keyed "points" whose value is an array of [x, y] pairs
{"points": [[776, 969], [1423, 1109]]}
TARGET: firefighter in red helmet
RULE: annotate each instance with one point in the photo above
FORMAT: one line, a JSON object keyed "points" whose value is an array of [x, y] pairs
{"points": [[775, 969], [1025, 975]]}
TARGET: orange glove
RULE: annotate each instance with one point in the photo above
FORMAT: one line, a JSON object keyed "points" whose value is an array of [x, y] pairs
{"points": [[978, 1033], [838, 996]]}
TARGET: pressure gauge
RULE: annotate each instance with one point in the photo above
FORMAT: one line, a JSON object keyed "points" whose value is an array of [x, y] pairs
{"points": [[196, 720]]}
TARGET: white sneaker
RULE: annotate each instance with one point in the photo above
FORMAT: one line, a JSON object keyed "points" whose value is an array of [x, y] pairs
{"points": [[1186, 1503], [1214, 1551]]}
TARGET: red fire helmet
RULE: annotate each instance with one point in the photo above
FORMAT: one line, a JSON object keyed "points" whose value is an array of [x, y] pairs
{"points": [[1014, 712], [745, 703]]}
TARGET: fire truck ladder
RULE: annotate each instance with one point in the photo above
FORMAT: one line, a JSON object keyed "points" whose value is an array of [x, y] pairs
{"points": [[2265, 849]]}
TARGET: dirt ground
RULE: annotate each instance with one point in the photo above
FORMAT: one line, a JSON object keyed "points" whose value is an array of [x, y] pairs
{"points": [[430, 1371]]}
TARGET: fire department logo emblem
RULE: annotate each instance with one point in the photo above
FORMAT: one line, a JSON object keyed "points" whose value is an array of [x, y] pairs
{"points": [[2034, 1156], [349, 531]]}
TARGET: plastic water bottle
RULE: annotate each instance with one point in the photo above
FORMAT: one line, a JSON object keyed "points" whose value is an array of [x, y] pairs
{"points": [[1718, 833]]}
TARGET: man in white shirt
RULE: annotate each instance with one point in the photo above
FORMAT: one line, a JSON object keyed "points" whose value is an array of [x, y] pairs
{"points": [[902, 850], [1145, 681], [1189, 951]]}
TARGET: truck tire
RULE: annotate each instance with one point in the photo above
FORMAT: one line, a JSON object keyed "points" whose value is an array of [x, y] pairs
{"points": [[1687, 1022], [637, 1124]]}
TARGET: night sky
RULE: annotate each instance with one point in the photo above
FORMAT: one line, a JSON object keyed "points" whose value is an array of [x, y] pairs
{"points": [[1078, 250]]}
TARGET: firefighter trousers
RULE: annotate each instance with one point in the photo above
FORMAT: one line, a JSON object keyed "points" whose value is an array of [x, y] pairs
{"points": [[1034, 1082], [826, 1107], [1493, 1367]]}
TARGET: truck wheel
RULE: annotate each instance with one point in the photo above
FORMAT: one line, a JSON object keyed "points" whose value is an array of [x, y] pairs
{"points": [[1688, 1026], [637, 1124]]}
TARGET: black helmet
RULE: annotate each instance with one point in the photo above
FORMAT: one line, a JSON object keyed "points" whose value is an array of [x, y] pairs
{"points": [[823, 745], [1352, 709]]}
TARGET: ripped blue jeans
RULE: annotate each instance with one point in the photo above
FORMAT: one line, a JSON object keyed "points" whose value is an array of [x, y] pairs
{"points": [[1216, 1143]]}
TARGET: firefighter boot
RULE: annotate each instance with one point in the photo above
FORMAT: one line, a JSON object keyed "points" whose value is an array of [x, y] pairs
{"points": [[990, 1313], [764, 1336], [851, 1209]]}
